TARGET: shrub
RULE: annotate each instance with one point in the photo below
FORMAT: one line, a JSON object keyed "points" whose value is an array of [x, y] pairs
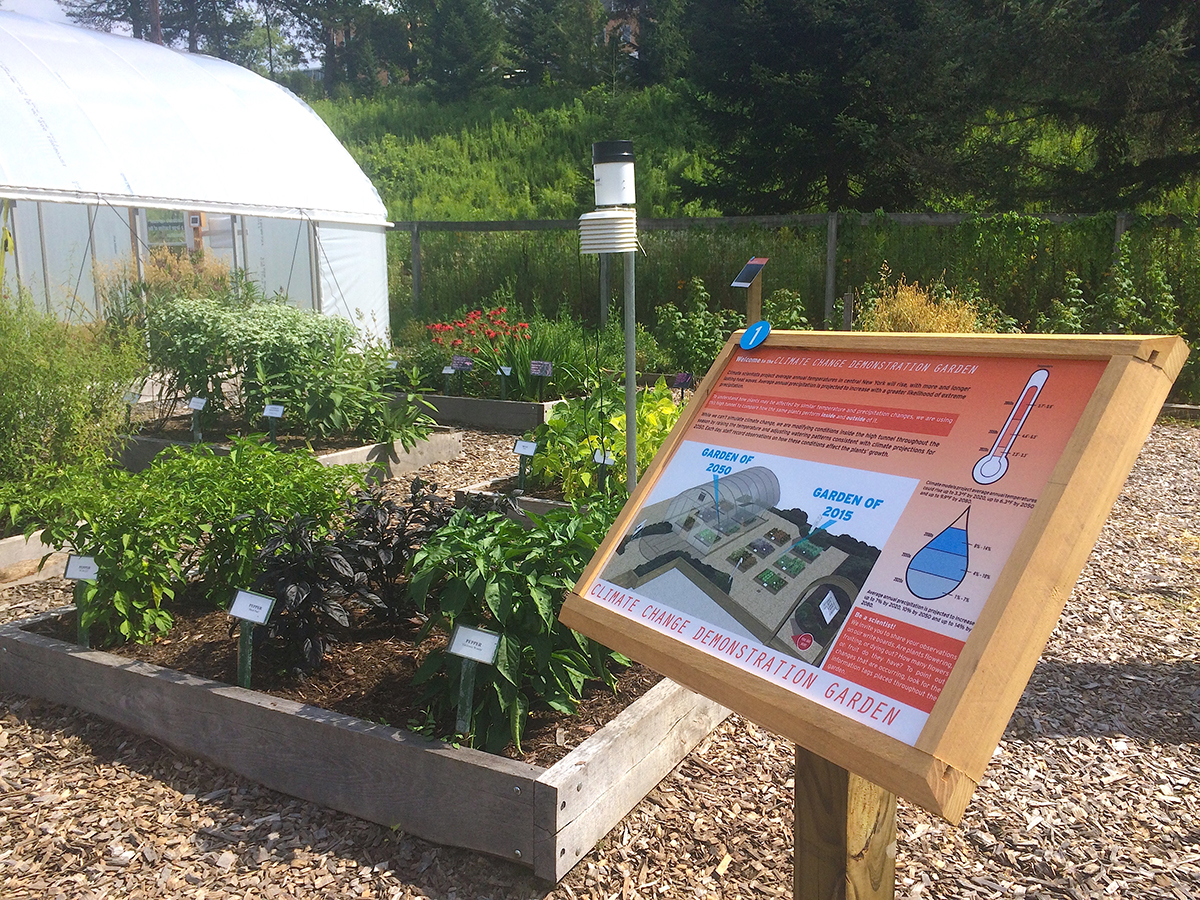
{"points": [[568, 440], [904, 306], [268, 352], [62, 389], [696, 333], [191, 512], [492, 573]]}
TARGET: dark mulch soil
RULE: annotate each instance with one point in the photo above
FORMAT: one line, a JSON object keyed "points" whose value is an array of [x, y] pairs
{"points": [[367, 674]]}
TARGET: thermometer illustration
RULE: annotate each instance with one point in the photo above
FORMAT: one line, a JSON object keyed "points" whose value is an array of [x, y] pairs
{"points": [[991, 468]]}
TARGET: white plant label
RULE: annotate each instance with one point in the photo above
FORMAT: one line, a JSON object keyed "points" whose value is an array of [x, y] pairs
{"points": [[251, 607], [504, 370], [273, 411], [392, 363], [447, 370], [132, 397], [81, 568], [603, 459], [198, 403], [525, 448], [474, 643]]}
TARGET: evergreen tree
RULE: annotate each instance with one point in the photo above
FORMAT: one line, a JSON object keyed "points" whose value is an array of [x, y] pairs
{"points": [[458, 46], [556, 40]]}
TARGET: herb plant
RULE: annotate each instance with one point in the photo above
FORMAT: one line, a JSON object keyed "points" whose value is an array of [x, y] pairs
{"points": [[317, 574]]}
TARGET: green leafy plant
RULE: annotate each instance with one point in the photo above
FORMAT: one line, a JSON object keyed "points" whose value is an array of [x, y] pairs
{"points": [[191, 513], [696, 333], [492, 573], [62, 389], [578, 428]]}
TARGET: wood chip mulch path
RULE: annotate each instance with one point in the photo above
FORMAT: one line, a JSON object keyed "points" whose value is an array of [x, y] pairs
{"points": [[1094, 791]]}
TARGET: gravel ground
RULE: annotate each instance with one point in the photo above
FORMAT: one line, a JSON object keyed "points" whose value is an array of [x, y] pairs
{"points": [[1092, 793]]}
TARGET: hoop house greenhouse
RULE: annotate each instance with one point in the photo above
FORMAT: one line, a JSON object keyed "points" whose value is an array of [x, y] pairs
{"points": [[112, 146]]}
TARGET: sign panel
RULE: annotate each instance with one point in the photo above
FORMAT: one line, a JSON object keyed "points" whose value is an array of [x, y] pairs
{"points": [[197, 403], [273, 411], [832, 521], [541, 368], [474, 643], [749, 272], [251, 607], [525, 448], [461, 363], [80, 568]]}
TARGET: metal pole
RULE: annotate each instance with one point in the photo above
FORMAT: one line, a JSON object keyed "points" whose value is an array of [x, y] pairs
{"points": [[830, 267], [605, 290], [45, 262], [630, 377], [416, 268]]}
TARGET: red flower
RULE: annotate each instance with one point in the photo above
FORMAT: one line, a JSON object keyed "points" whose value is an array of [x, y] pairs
{"points": [[522, 324], [457, 342]]}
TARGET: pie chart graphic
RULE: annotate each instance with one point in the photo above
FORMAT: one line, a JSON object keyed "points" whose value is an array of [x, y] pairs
{"points": [[940, 566]]}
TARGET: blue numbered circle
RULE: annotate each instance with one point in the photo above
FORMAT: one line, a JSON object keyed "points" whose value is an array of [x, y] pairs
{"points": [[755, 334]]}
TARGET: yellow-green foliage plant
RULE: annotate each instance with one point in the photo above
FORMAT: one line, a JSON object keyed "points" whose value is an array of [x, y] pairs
{"points": [[900, 305]]}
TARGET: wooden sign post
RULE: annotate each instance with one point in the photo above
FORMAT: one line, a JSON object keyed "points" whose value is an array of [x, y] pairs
{"points": [[862, 542]]}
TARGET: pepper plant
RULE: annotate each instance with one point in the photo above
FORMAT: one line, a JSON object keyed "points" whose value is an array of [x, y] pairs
{"points": [[491, 572]]}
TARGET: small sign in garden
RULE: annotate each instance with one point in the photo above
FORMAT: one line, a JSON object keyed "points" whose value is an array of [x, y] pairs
{"points": [[253, 609], [80, 569], [474, 646]]}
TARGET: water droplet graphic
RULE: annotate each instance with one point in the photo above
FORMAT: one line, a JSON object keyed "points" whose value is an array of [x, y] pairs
{"points": [[940, 566]]}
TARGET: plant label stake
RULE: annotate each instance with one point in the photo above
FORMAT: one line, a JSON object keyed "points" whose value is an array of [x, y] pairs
{"points": [[272, 412], [504, 372], [683, 381], [80, 569], [195, 405], [461, 364], [541, 370], [475, 646], [525, 450], [447, 371], [253, 609], [603, 459]]}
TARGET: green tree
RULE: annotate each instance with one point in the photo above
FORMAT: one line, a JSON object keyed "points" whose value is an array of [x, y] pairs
{"points": [[811, 103], [662, 46], [1082, 104], [458, 46], [555, 40]]}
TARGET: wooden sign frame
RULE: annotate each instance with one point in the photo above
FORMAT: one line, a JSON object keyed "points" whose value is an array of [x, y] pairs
{"points": [[1116, 387]]}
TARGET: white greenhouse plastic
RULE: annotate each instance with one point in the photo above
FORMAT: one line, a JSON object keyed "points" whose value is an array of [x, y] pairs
{"points": [[110, 146]]}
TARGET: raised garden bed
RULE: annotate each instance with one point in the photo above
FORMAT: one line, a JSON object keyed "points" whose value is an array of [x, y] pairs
{"points": [[542, 818], [19, 558], [384, 460], [515, 416], [500, 493]]}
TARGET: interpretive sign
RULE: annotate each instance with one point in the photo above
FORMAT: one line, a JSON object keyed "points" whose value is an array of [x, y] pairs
{"points": [[863, 541]]}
